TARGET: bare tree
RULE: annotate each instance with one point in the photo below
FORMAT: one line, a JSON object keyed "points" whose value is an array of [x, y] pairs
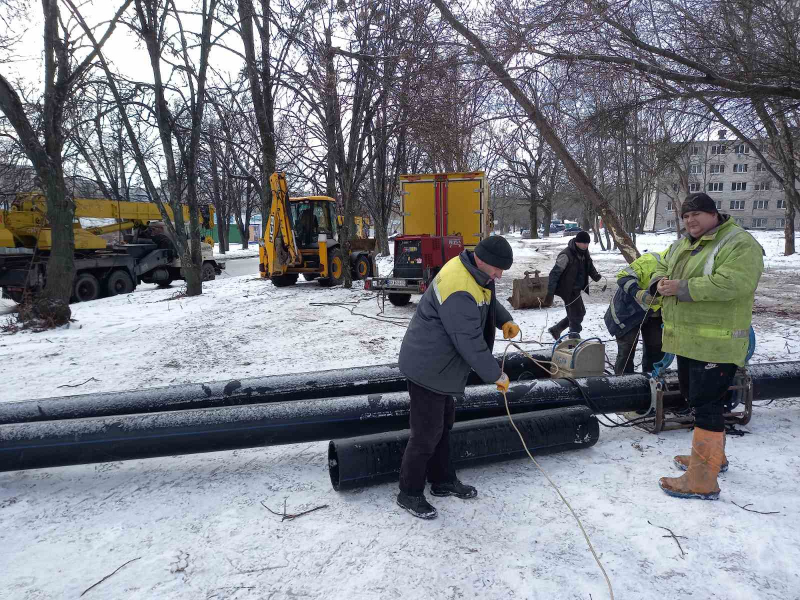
{"points": [[63, 72]]}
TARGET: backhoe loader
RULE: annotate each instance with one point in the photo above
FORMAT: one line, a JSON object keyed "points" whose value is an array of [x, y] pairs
{"points": [[302, 238]]}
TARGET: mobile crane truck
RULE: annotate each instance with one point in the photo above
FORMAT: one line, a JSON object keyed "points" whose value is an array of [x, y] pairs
{"points": [[147, 255]]}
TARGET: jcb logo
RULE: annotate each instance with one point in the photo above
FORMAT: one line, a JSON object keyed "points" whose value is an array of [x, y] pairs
{"points": [[272, 228]]}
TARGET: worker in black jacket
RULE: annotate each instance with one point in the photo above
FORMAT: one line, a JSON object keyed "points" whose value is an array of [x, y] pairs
{"points": [[568, 278], [451, 333]]}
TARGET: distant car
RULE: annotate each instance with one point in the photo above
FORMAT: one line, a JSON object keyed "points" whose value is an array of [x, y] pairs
{"points": [[571, 229], [526, 233], [556, 227]]}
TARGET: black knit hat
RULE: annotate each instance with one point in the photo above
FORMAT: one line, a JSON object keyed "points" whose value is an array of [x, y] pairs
{"points": [[583, 238], [496, 251], [698, 201]]}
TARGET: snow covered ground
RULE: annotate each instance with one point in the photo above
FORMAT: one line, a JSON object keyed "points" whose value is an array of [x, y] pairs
{"points": [[235, 251], [194, 526]]}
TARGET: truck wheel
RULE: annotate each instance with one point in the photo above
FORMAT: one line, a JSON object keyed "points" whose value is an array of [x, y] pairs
{"points": [[119, 282], [164, 284], [208, 272], [310, 276], [284, 280], [335, 269], [363, 267], [399, 299], [86, 287]]}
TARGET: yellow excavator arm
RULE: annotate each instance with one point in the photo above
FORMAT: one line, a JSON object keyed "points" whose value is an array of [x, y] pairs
{"points": [[279, 251]]}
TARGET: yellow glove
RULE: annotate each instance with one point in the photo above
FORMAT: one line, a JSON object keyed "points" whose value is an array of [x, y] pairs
{"points": [[510, 330], [502, 383]]}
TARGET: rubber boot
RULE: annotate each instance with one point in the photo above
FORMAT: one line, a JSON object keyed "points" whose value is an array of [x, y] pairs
{"points": [[682, 460], [700, 479]]}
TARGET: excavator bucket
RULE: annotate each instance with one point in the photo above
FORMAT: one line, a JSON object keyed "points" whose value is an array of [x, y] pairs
{"points": [[529, 292]]}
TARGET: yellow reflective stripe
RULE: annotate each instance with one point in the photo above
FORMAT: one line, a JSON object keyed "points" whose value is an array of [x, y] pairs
{"points": [[614, 314], [628, 285], [709, 332]]}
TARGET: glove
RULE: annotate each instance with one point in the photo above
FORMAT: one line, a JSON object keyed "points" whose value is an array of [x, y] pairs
{"points": [[598, 278], [644, 298], [510, 330], [503, 383], [549, 300]]}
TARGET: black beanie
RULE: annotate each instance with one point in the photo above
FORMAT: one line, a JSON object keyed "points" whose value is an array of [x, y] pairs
{"points": [[583, 238], [495, 251], [698, 201]]}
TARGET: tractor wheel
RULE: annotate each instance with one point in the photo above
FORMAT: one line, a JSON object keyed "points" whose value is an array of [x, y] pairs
{"points": [[86, 288], [208, 272], [284, 280], [335, 269], [363, 267], [119, 282], [310, 276], [399, 299]]}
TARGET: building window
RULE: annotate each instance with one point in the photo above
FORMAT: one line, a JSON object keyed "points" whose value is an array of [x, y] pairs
{"points": [[719, 204], [780, 223], [670, 223], [739, 222], [762, 186], [781, 204], [694, 187], [695, 150], [741, 149], [759, 222], [717, 169], [695, 169], [760, 168], [715, 187], [737, 204], [718, 149], [740, 168], [761, 205], [738, 186]]}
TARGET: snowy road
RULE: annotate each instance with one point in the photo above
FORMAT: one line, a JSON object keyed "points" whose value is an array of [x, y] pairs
{"points": [[195, 527]]}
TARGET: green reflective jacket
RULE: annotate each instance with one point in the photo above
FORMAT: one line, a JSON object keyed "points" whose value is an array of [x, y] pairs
{"points": [[642, 269], [709, 319]]}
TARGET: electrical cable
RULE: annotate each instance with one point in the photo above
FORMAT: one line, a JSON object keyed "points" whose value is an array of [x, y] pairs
{"points": [[546, 476]]}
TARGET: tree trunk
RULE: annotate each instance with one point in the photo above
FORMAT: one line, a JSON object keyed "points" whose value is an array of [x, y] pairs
{"points": [[788, 229], [576, 174], [548, 217], [534, 214]]}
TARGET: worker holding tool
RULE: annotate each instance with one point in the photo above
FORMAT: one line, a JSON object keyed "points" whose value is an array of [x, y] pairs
{"points": [[452, 331], [568, 278], [632, 311], [708, 281]]}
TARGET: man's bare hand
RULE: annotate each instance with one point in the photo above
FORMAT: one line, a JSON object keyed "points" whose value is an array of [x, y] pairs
{"points": [[668, 287]]}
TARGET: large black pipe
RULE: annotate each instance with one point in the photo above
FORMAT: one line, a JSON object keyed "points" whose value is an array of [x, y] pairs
{"points": [[101, 439], [377, 379], [370, 460]]}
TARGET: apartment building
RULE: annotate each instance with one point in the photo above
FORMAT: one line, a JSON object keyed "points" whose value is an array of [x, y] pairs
{"points": [[731, 173]]}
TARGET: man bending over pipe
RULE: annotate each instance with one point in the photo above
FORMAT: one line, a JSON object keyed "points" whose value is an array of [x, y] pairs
{"points": [[452, 331], [708, 280]]}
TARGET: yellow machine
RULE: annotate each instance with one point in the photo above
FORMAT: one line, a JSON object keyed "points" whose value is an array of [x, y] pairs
{"points": [[301, 238], [147, 255], [25, 224]]}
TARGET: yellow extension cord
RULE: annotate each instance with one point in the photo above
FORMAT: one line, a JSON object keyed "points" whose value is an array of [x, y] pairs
{"points": [[524, 445]]}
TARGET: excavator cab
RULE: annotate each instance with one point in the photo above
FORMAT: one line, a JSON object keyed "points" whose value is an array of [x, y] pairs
{"points": [[311, 217]]}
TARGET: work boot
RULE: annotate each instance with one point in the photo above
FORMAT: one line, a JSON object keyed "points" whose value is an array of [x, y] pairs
{"points": [[416, 505], [682, 460], [555, 332], [453, 488], [574, 335], [700, 479]]}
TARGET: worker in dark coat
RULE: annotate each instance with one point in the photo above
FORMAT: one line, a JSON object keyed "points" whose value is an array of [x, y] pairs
{"points": [[568, 278], [451, 333]]}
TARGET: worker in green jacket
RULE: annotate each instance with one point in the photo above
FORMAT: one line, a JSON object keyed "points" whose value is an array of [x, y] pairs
{"points": [[708, 281]]}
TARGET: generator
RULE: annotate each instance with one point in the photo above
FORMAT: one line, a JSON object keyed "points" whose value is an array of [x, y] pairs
{"points": [[417, 260], [575, 357]]}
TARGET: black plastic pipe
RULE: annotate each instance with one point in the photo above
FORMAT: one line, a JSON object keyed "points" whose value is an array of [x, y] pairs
{"points": [[370, 460], [121, 437], [377, 379]]}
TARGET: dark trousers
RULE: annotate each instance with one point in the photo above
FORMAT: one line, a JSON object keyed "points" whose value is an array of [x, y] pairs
{"points": [[626, 346], [428, 450], [575, 313], [705, 386]]}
